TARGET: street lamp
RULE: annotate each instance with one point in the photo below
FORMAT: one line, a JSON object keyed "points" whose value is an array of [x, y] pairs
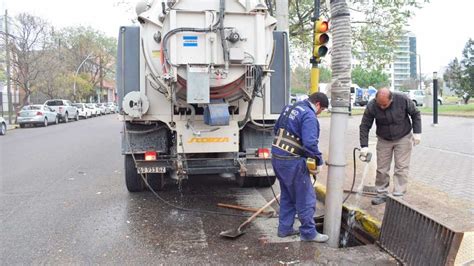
{"points": [[77, 72]]}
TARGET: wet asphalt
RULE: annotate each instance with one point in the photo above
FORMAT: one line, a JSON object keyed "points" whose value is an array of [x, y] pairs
{"points": [[63, 201]]}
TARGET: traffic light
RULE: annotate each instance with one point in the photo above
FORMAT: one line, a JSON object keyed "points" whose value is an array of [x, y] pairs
{"points": [[321, 38]]}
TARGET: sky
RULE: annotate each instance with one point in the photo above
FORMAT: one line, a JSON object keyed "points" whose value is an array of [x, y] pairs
{"points": [[442, 27]]}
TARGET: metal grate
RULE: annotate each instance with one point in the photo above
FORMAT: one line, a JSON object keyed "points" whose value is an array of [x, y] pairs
{"points": [[417, 239]]}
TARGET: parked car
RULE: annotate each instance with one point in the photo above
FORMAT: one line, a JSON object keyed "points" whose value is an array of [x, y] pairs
{"points": [[64, 108], [37, 115], [104, 107], [3, 126], [83, 110], [95, 111], [113, 107], [101, 108], [418, 97]]}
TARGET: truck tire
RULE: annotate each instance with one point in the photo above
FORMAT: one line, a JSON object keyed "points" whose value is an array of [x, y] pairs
{"points": [[156, 181], [246, 181], [133, 180], [66, 118], [266, 181]]}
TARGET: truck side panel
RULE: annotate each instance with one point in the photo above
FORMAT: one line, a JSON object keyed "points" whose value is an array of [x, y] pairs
{"points": [[128, 62], [280, 79]]}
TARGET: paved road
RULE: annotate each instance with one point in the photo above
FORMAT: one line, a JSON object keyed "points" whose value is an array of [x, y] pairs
{"points": [[63, 201], [444, 159]]}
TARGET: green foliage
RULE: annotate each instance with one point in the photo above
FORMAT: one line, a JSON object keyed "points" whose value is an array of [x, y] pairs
{"points": [[376, 25], [365, 78], [300, 78], [460, 75]]}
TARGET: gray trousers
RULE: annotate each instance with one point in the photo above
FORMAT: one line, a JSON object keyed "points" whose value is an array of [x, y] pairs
{"points": [[400, 150]]}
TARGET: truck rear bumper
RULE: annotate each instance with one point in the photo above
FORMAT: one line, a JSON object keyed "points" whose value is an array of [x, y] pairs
{"points": [[247, 167]]}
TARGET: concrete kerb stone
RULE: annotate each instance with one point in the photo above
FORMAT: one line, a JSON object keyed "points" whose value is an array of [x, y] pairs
{"points": [[370, 224]]}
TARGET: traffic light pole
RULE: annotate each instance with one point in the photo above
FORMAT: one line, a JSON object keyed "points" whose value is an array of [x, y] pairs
{"points": [[314, 62]]}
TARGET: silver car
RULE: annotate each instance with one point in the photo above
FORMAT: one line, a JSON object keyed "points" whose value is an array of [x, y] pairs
{"points": [[37, 115], [3, 126]]}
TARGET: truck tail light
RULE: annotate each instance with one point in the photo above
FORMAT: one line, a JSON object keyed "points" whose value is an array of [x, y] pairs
{"points": [[39, 113], [263, 153], [150, 155]]}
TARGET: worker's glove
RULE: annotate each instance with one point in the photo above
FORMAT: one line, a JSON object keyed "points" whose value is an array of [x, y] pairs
{"points": [[314, 172], [364, 151], [416, 139]]}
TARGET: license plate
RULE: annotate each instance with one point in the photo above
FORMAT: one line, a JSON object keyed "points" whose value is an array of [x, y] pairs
{"points": [[151, 169]]}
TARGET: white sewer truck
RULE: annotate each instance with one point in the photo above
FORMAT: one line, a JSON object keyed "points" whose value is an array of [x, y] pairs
{"points": [[200, 85]]}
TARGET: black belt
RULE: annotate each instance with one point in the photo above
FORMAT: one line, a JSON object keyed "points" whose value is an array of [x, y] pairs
{"points": [[287, 157], [288, 142]]}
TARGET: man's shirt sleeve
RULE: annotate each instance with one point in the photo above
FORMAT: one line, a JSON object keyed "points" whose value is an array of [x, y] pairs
{"points": [[310, 137], [415, 116], [365, 126]]}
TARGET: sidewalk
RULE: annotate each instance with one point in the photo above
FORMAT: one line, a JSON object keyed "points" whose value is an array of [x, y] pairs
{"points": [[441, 176]]}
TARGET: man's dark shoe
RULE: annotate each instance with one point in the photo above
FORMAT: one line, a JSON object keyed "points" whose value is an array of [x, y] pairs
{"points": [[295, 232], [379, 200]]}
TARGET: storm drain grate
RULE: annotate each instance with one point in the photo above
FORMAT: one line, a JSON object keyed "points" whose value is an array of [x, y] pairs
{"points": [[417, 239]]}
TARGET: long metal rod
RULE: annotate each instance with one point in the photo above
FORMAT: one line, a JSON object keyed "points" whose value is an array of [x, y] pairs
{"points": [[7, 51], [435, 99]]}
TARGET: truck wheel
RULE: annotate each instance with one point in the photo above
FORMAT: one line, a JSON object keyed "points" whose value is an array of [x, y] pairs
{"points": [[45, 122], [66, 118], [246, 181], [76, 117], [265, 181], [156, 181], [133, 180]]}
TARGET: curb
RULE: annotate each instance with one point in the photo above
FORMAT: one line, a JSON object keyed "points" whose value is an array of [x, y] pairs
{"points": [[370, 224]]}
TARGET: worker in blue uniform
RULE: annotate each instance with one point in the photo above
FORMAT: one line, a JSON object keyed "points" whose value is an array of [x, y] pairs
{"points": [[296, 140]]}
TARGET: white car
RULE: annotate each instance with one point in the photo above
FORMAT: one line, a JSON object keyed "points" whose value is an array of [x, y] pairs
{"points": [[94, 110], [83, 110], [418, 97], [37, 114], [3, 126], [64, 109]]}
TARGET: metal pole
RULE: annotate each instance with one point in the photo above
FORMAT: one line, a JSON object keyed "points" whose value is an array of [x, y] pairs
{"points": [[314, 61], [340, 95], [435, 98], [419, 68], [77, 72], [7, 51], [282, 15]]}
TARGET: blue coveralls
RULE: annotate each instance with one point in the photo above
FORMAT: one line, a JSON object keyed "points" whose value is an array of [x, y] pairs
{"points": [[297, 192]]}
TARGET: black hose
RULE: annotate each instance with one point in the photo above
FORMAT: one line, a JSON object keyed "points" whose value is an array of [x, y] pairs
{"points": [[354, 176]]}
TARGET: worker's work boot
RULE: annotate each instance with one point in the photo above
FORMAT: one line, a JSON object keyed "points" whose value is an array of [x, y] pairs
{"points": [[379, 199], [293, 233], [320, 238]]}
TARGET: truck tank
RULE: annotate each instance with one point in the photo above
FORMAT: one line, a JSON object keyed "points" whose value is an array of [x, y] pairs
{"points": [[201, 84]]}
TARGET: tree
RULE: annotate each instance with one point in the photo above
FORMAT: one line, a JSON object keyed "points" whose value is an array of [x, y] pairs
{"points": [[300, 78], [460, 75], [29, 52], [81, 43], [375, 25], [365, 78]]}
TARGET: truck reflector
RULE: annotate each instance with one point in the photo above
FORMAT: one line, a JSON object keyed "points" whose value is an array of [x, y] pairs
{"points": [[263, 153], [150, 156]]}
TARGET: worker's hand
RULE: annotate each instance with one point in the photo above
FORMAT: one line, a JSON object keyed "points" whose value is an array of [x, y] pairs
{"points": [[364, 151], [416, 139]]}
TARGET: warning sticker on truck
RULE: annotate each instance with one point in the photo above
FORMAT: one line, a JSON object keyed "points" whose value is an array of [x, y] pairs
{"points": [[190, 41]]}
